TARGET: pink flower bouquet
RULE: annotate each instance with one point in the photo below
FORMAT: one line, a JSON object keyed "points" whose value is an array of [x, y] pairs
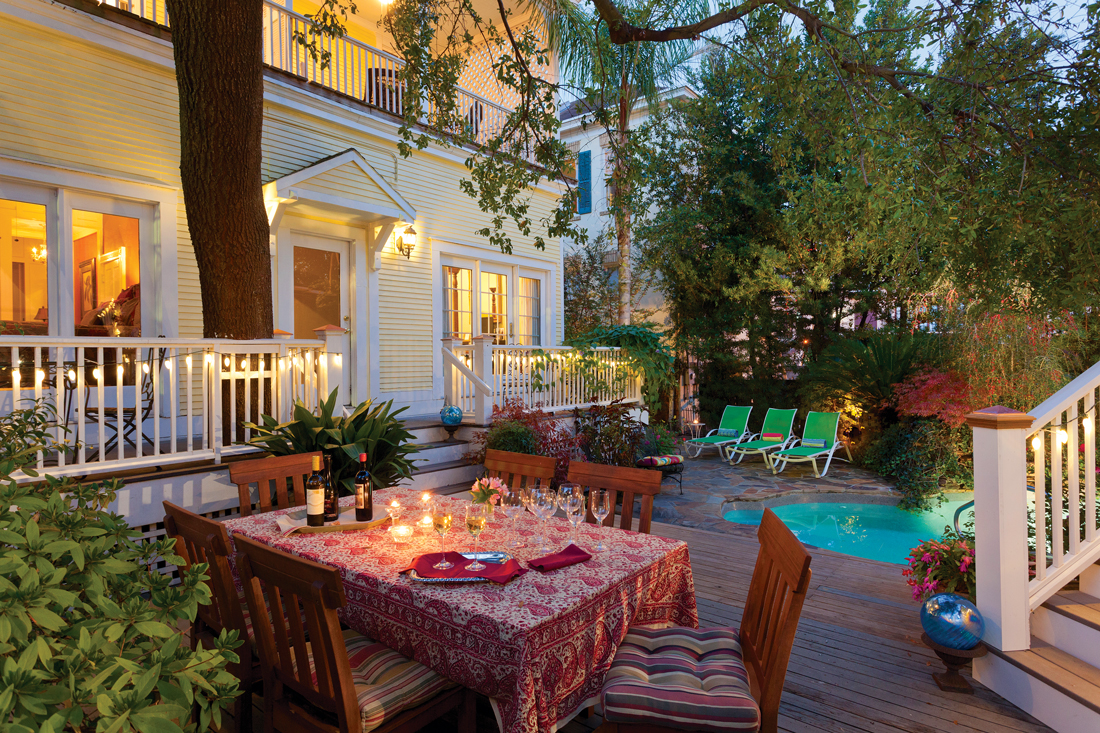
{"points": [[945, 565], [488, 491]]}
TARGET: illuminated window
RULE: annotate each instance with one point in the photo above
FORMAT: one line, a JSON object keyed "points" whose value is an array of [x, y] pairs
{"points": [[106, 275], [458, 307], [318, 295], [494, 306], [528, 312], [23, 262]]}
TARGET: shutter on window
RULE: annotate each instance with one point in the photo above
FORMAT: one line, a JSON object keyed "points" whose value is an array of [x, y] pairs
{"points": [[584, 182]]}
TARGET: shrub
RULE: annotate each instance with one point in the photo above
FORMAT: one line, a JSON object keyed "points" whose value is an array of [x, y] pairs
{"points": [[917, 454], [659, 440], [945, 565], [609, 435], [944, 395], [644, 347], [374, 430], [513, 436], [552, 438], [718, 388], [88, 636]]}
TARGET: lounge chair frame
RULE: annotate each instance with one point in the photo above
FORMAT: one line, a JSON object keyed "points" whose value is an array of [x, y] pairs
{"points": [[694, 448], [762, 450], [826, 453]]}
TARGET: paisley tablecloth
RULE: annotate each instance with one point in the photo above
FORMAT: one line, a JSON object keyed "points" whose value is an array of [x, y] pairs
{"points": [[539, 646]]}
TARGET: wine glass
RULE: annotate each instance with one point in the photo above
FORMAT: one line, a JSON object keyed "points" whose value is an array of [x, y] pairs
{"points": [[512, 506], [476, 516], [600, 503], [545, 504], [574, 511], [441, 522]]}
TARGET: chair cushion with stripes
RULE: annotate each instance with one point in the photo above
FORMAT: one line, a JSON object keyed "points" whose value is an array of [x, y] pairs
{"points": [[387, 682], [694, 679]]}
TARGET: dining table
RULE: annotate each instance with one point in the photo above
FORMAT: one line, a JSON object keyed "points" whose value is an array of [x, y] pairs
{"points": [[539, 646]]}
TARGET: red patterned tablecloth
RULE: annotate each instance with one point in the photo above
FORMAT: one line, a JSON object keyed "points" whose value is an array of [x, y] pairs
{"points": [[539, 646]]}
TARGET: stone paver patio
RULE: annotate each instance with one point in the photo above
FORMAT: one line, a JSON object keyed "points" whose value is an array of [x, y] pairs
{"points": [[709, 484]]}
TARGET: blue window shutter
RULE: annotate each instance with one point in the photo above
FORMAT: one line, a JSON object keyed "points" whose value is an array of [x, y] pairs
{"points": [[584, 182]]}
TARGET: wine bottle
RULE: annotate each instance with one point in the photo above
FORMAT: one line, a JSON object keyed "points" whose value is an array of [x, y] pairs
{"points": [[364, 492], [332, 498], [315, 496]]}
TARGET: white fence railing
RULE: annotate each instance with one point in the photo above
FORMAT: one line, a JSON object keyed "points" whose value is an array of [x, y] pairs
{"points": [[1036, 518], [477, 377], [126, 403]]}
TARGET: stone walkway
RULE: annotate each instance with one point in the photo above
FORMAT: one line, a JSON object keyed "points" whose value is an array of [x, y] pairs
{"points": [[709, 483]]}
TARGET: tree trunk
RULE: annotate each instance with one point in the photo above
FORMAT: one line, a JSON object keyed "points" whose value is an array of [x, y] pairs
{"points": [[622, 216], [218, 49]]}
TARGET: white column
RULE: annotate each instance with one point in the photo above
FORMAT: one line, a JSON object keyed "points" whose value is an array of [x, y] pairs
{"points": [[449, 396], [1000, 525], [483, 368]]}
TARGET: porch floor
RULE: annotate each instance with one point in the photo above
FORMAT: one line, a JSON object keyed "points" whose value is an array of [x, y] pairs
{"points": [[858, 663]]}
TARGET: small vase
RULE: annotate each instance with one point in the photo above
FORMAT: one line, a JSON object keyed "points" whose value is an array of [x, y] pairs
{"points": [[450, 415]]}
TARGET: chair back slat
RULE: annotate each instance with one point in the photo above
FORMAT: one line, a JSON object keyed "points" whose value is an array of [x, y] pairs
{"points": [[822, 426], [270, 476], [735, 418], [518, 469], [298, 590], [779, 421], [776, 594], [201, 540], [630, 482]]}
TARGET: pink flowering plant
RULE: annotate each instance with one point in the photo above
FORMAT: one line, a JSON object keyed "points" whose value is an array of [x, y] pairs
{"points": [[945, 565], [488, 490]]}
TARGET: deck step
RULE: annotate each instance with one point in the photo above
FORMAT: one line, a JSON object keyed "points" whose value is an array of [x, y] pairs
{"points": [[1056, 687], [436, 475], [1070, 620]]}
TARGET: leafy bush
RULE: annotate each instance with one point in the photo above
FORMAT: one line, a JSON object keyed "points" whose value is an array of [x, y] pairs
{"points": [[944, 395], [718, 388], [659, 440], [513, 436], [644, 347], [917, 455], [552, 438], [945, 565], [87, 627], [371, 429], [609, 435]]}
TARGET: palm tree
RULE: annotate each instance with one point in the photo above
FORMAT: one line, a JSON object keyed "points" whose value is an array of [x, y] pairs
{"points": [[612, 79]]}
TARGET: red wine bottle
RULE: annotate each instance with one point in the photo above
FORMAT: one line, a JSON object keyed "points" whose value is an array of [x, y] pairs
{"points": [[332, 498], [315, 496], [364, 492]]}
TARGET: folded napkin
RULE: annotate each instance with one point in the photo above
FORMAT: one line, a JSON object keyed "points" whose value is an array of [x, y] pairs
{"points": [[571, 555], [494, 571]]}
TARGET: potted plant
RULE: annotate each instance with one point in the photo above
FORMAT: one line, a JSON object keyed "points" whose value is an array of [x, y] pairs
{"points": [[371, 429], [945, 565]]}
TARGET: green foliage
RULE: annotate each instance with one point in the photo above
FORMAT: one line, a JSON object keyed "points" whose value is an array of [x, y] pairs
{"points": [[945, 565], [917, 455], [88, 637], [644, 347], [609, 435], [590, 299], [718, 388], [371, 429], [659, 439], [512, 436]]}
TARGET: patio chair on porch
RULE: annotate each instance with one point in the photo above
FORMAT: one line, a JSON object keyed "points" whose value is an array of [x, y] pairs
{"points": [[731, 430], [202, 540], [318, 677], [672, 680], [266, 472], [818, 441], [775, 435], [630, 482], [518, 469]]}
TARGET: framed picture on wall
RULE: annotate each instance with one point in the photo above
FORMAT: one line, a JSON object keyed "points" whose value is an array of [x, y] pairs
{"points": [[87, 295]]}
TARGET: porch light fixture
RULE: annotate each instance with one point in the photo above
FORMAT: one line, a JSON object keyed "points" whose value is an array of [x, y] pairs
{"points": [[406, 242]]}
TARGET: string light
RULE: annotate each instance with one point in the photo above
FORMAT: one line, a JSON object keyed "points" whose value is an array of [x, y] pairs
{"points": [[227, 362], [1063, 436], [39, 376], [1087, 423], [118, 371], [1037, 443], [186, 361], [15, 375], [145, 368], [168, 364], [95, 374], [72, 375]]}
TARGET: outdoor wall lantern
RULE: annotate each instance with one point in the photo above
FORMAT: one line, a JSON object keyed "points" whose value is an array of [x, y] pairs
{"points": [[405, 242]]}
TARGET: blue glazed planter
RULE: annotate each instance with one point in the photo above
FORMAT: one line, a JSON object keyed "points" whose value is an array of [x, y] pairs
{"points": [[450, 415], [952, 621]]}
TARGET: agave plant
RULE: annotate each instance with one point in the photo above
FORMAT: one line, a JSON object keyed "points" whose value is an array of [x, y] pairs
{"points": [[371, 429]]}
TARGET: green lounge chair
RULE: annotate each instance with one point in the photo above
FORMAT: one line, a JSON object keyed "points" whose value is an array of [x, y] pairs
{"points": [[775, 435], [818, 441], [733, 429]]}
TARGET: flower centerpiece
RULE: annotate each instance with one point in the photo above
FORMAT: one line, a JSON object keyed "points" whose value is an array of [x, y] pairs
{"points": [[945, 565], [488, 491]]}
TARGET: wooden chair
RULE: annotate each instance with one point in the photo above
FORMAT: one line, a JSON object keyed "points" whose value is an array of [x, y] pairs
{"points": [[630, 482], [744, 670], [320, 679], [202, 540], [518, 469], [270, 476]]}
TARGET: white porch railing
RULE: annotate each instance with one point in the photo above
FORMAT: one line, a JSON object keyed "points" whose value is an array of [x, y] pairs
{"points": [[355, 69], [127, 403], [477, 377], [1034, 533]]}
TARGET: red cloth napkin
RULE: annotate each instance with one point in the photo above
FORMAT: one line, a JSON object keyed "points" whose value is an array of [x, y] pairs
{"points": [[571, 555], [496, 572]]}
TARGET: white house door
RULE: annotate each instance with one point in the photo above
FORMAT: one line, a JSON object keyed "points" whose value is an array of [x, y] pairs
{"points": [[320, 274]]}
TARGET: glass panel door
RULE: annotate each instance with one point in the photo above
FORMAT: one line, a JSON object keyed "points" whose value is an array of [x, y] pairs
{"points": [[458, 303], [106, 274], [320, 284], [529, 312], [23, 297], [494, 305]]}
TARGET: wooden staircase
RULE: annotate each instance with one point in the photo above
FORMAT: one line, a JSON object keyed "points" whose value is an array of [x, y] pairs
{"points": [[441, 468]]}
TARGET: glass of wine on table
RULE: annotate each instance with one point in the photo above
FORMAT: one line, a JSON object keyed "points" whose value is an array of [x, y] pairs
{"points": [[441, 523]]}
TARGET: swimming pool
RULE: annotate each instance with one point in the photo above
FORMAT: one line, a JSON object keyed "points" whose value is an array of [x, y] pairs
{"points": [[872, 531]]}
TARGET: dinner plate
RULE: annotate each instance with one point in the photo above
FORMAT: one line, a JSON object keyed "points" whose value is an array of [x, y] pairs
{"points": [[490, 557]]}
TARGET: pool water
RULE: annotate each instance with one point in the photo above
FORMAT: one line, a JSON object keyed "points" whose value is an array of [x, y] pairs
{"points": [[871, 531]]}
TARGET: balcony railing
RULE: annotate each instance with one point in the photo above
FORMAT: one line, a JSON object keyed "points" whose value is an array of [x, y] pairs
{"points": [[355, 69], [125, 403]]}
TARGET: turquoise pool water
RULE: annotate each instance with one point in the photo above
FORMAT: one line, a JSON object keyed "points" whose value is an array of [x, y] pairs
{"points": [[872, 531]]}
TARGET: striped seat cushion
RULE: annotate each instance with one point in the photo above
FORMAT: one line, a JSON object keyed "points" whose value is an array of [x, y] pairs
{"points": [[657, 461], [692, 679]]}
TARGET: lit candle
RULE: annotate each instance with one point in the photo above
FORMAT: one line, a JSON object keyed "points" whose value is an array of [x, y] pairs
{"points": [[394, 510], [401, 533]]}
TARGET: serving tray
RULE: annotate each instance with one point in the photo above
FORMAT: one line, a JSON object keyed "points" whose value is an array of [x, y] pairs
{"points": [[344, 523], [488, 557]]}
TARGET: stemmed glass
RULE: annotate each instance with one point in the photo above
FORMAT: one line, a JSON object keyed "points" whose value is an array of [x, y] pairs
{"points": [[545, 504], [512, 506], [476, 516], [574, 511], [441, 522], [600, 503]]}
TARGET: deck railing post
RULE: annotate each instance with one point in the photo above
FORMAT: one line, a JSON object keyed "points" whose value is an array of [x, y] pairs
{"points": [[483, 368], [449, 396], [332, 373], [1000, 525]]}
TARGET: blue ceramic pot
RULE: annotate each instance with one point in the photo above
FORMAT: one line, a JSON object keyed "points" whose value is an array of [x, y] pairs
{"points": [[952, 621], [450, 415]]}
